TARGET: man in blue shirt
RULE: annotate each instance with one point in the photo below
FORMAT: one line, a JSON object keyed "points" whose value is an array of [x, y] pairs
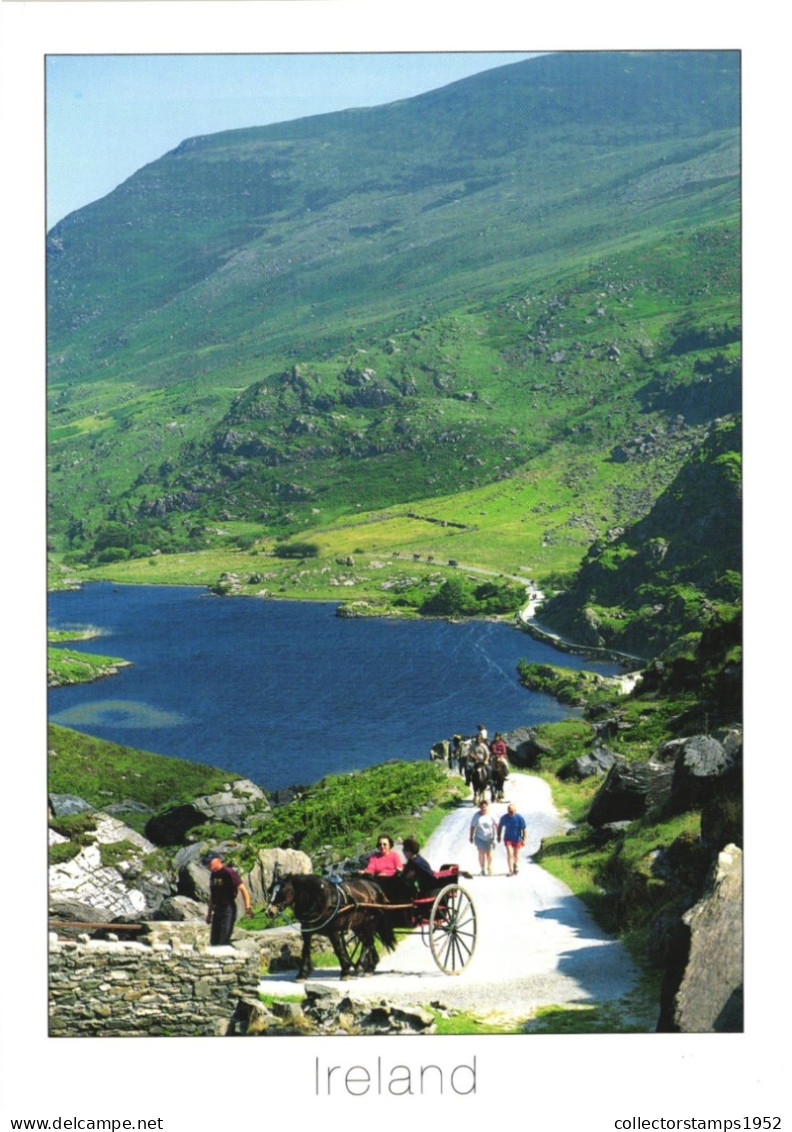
{"points": [[511, 829]]}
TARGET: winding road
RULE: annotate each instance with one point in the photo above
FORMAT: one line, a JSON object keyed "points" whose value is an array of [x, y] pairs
{"points": [[536, 944]]}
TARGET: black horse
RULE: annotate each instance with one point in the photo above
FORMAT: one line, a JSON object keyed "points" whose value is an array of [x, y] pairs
{"points": [[498, 773], [351, 914], [479, 777]]}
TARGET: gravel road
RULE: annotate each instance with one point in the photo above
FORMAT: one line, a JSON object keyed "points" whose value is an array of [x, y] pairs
{"points": [[536, 943]]}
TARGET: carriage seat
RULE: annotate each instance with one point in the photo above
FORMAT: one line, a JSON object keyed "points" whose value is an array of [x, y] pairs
{"points": [[448, 874]]}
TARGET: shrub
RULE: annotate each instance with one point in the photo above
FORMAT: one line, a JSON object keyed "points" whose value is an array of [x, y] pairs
{"points": [[297, 550], [349, 810], [113, 554]]}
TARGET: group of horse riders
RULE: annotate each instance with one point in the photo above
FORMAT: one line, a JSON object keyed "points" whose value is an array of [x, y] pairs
{"points": [[480, 762]]}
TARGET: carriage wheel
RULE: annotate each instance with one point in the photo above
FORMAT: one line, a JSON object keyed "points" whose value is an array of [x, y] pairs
{"points": [[452, 929], [353, 946]]}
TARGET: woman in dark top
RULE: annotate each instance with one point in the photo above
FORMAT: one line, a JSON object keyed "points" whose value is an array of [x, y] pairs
{"points": [[417, 871]]}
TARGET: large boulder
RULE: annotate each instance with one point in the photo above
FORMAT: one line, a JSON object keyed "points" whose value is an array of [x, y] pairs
{"points": [[703, 765], [523, 747], [629, 790], [234, 805], [193, 881], [70, 917], [598, 760], [64, 805], [271, 864], [182, 909], [707, 996]]}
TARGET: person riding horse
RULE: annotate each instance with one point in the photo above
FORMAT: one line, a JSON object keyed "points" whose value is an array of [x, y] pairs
{"points": [[478, 769], [499, 768]]}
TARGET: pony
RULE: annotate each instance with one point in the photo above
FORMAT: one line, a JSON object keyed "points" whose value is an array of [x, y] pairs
{"points": [[351, 914], [479, 776], [498, 773]]}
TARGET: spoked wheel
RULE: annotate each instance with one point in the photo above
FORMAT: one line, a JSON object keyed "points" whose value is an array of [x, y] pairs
{"points": [[452, 929], [353, 945]]}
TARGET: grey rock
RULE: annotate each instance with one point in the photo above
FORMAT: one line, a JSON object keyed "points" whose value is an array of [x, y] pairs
{"points": [[128, 806], [64, 805], [74, 910], [193, 881], [702, 766], [234, 805], [629, 790], [190, 853], [523, 747], [129, 888], [611, 831], [289, 1011], [709, 999], [598, 760], [273, 863], [181, 908]]}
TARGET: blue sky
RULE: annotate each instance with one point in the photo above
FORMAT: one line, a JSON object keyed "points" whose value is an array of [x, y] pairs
{"points": [[108, 115]]}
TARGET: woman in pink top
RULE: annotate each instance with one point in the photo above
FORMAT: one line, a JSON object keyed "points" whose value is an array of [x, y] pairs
{"points": [[385, 862]]}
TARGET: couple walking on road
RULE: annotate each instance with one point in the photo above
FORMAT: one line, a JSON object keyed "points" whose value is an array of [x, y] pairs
{"points": [[486, 830]]}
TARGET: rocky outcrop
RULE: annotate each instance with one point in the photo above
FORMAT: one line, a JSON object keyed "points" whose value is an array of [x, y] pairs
{"points": [[598, 760], [271, 864], [235, 805], [693, 772], [699, 995], [114, 875], [182, 909], [701, 763], [629, 790], [64, 805], [523, 746], [193, 877], [328, 1011]]}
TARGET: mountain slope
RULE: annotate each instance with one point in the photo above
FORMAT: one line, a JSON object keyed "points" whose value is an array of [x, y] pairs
{"points": [[673, 571], [238, 239], [537, 267]]}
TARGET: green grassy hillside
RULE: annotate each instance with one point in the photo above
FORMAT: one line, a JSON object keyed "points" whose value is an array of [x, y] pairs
{"points": [[511, 304], [676, 570]]}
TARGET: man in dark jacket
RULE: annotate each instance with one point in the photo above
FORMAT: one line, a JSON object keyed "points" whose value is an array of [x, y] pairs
{"points": [[224, 885]]}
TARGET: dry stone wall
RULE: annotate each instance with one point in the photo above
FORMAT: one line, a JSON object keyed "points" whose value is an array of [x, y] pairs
{"points": [[170, 984]]}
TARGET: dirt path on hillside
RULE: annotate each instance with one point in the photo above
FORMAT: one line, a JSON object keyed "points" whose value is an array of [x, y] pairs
{"points": [[536, 944]]}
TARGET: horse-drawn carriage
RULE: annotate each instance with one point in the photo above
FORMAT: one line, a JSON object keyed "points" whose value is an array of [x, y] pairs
{"points": [[354, 912]]}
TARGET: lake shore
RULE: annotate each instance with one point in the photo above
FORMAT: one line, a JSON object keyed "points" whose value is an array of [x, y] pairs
{"points": [[286, 691]]}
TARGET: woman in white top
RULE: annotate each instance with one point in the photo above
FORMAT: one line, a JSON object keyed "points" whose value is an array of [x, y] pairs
{"points": [[484, 833]]}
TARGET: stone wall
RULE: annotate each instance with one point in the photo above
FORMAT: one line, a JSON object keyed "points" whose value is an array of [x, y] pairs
{"points": [[166, 984]]}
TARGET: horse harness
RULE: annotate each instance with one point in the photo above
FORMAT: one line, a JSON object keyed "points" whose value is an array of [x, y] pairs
{"points": [[345, 902]]}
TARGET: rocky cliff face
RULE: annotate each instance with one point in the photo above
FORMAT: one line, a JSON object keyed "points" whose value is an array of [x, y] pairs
{"points": [[703, 989], [640, 589]]}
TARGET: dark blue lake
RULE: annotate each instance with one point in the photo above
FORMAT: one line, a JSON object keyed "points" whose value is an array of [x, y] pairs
{"points": [[286, 692]]}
